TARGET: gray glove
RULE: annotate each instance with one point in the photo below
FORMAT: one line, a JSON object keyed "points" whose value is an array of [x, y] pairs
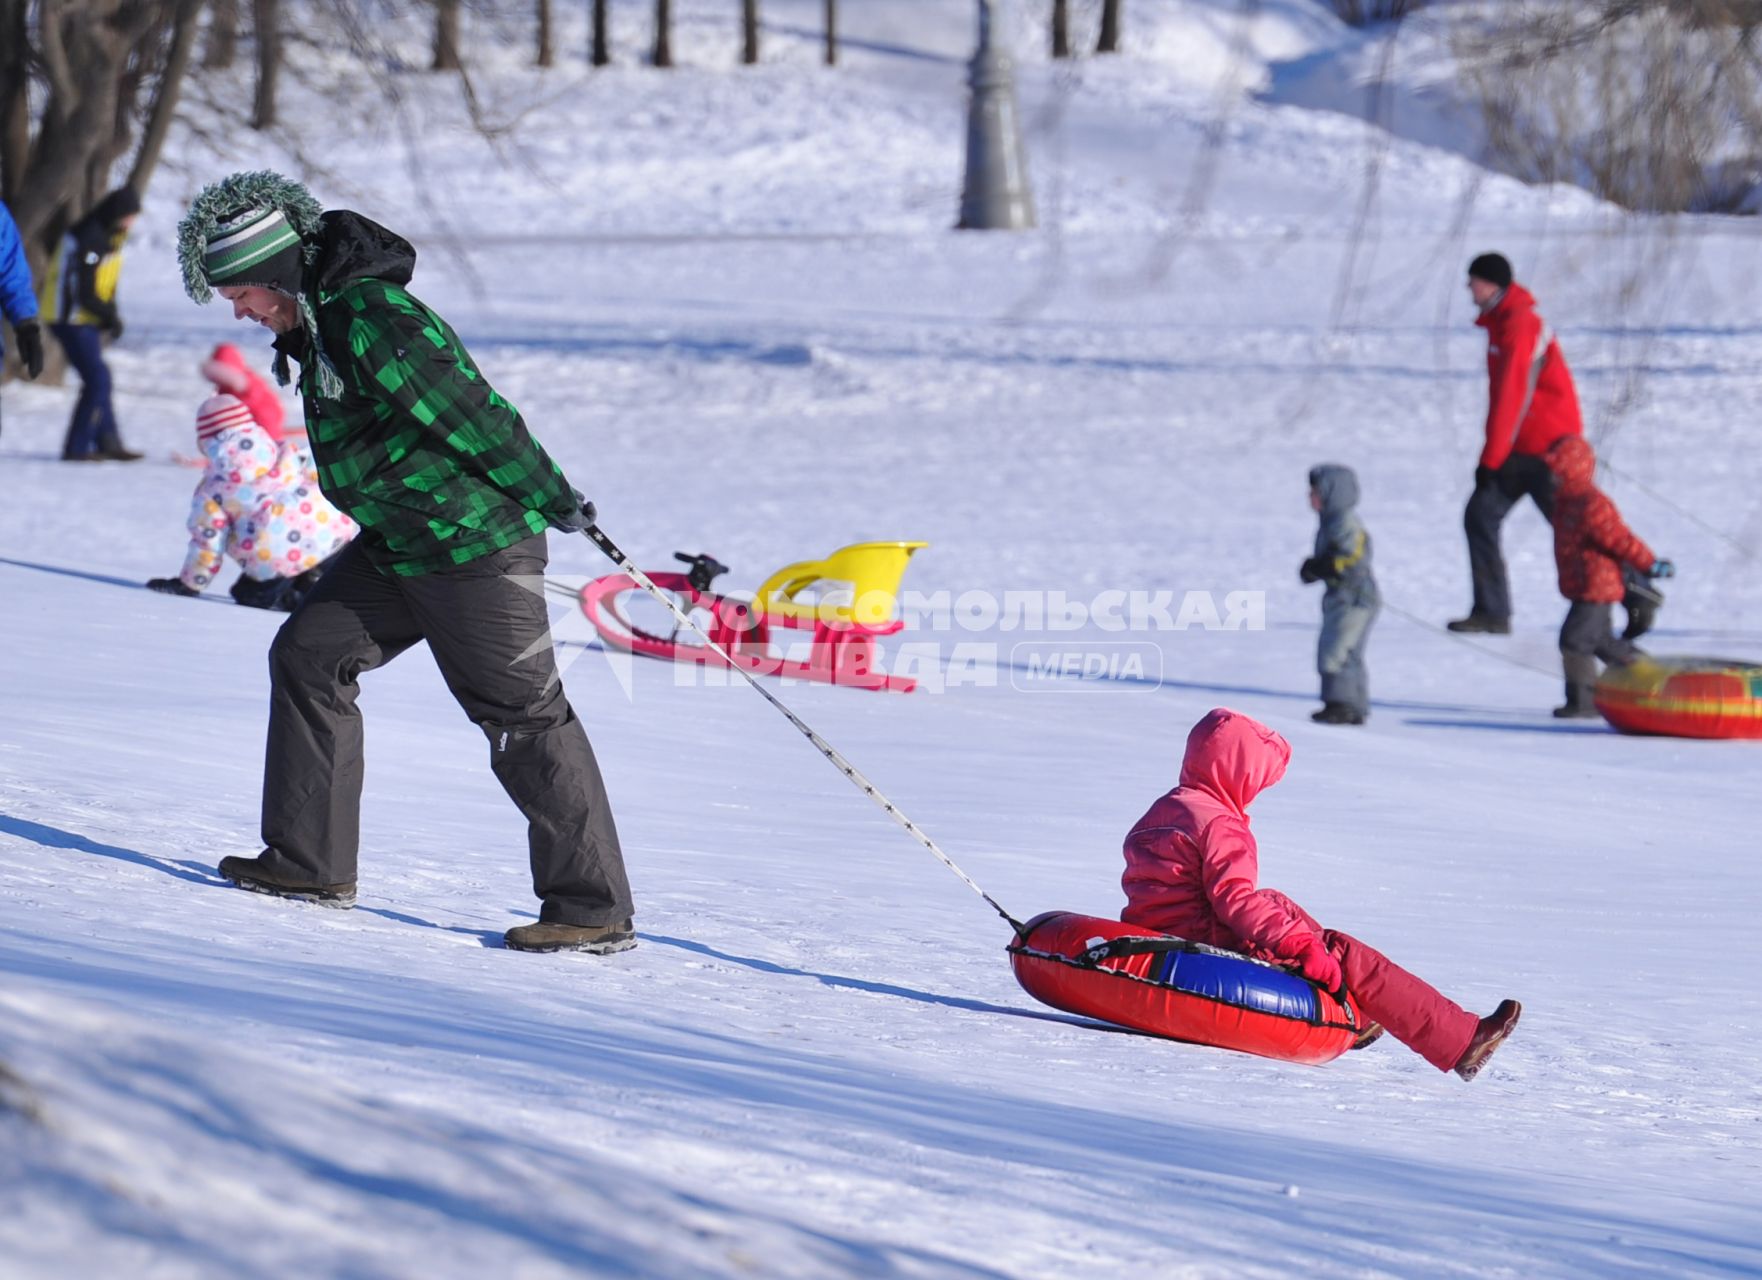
{"points": [[580, 520]]}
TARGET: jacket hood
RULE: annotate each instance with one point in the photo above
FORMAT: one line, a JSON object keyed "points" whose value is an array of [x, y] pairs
{"points": [[1574, 464], [1338, 487], [1517, 298], [1233, 758], [351, 247], [228, 357]]}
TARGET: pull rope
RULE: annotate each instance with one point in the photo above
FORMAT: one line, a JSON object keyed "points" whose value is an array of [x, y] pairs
{"points": [[1399, 612], [1748, 552], [850, 771]]}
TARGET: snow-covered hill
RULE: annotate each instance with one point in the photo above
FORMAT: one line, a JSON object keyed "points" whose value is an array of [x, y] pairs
{"points": [[728, 302]]}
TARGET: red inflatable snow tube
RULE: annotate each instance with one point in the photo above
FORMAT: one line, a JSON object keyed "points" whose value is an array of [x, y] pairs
{"points": [[1166, 986]]}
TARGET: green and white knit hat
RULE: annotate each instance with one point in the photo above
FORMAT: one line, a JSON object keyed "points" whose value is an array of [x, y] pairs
{"points": [[257, 247], [256, 229], [238, 226]]}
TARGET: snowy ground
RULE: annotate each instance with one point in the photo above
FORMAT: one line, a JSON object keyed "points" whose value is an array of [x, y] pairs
{"points": [[739, 322]]}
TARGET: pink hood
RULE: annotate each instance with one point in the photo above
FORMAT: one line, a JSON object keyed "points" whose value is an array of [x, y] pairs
{"points": [[1192, 865], [1233, 758]]}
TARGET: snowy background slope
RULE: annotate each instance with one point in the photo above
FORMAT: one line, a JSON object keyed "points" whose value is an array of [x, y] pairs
{"points": [[728, 302]]}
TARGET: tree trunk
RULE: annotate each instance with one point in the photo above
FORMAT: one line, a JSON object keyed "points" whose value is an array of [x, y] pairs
{"points": [[71, 88], [15, 118], [602, 43], [832, 33], [749, 32], [78, 118], [547, 55], [266, 19], [1109, 40], [184, 20], [446, 36], [1061, 29], [222, 45], [663, 56]]}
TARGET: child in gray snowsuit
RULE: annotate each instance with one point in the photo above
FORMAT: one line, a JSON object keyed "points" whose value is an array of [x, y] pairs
{"points": [[1342, 560]]}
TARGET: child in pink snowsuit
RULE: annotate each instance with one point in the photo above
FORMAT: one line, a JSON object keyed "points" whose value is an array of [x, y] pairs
{"points": [[1191, 870], [226, 369], [258, 501]]}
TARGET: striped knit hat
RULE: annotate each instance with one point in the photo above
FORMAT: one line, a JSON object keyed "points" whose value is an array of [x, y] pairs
{"points": [[260, 230], [241, 230], [221, 413], [255, 247]]}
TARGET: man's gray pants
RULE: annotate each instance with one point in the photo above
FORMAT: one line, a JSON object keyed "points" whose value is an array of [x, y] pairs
{"points": [[489, 633], [1339, 654]]}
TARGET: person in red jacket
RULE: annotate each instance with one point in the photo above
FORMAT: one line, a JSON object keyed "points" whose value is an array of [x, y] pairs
{"points": [[1593, 550], [1192, 868], [1531, 403]]}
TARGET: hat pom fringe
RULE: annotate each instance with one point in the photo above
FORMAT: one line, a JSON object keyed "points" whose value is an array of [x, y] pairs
{"points": [[234, 194]]}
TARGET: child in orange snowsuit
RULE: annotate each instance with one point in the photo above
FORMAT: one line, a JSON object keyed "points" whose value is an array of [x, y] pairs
{"points": [[1591, 546]]}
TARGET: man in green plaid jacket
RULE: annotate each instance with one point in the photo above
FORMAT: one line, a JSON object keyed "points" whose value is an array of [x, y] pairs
{"points": [[453, 496]]}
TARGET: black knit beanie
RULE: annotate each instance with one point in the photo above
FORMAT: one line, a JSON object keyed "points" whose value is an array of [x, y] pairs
{"points": [[113, 208], [1493, 268]]}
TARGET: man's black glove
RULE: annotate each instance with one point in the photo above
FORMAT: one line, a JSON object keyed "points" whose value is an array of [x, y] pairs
{"points": [[1310, 569], [30, 346], [114, 328], [1485, 477], [171, 587], [582, 518]]}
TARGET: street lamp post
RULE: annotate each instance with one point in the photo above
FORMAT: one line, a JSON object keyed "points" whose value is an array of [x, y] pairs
{"points": [[996, 195]]}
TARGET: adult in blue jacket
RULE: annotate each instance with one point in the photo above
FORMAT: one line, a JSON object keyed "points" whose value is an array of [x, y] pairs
{"points": [[17, 301]]}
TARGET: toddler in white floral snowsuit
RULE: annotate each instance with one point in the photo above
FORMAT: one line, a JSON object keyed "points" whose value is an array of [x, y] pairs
{"points": [[258, 500]]}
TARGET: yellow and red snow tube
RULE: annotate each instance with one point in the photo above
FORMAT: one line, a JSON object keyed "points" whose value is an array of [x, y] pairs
{"points": [[1684, 697], [1167, 986]]}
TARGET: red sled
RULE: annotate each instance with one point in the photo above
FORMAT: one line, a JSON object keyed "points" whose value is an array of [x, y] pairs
{"points": [[1166, 986], [845, 602]]}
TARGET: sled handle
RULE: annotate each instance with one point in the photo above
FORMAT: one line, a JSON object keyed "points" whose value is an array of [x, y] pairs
{"points": [[1116, 948], [705, 569]]}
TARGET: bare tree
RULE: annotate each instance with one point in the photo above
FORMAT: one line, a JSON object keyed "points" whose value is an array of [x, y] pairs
{"points": [[663, 54], [446, 36], [95, 69], [832, 33], [1109, 39], [1061, 29], [15, 118], [182, 18], [602, 43], [547, 54], [222, 44], [75, 81], [1652, 104], [749, 32], [266, 22]]}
